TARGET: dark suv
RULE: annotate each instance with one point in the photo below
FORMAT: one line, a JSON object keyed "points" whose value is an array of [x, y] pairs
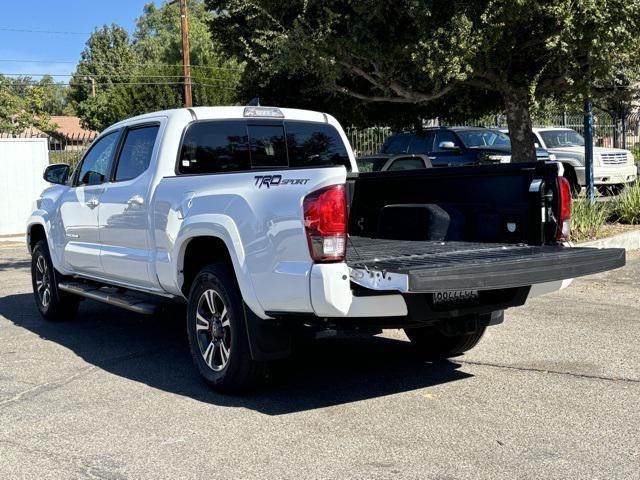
{"points": [[455, 146]]}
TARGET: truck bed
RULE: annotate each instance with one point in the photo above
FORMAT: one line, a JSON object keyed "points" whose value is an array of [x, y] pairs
{"points": [[431, 266]]}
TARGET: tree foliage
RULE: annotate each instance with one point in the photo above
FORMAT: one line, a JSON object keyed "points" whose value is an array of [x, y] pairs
{"points": [[414, 53], [143, 72], [26, 103]]}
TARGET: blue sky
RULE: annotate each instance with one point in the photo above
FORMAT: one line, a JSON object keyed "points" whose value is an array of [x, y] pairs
{"points": [[61, 16]]}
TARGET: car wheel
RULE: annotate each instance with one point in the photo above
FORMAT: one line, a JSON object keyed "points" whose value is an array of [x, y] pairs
{"points": [[430, 343], [52, 303], [611, 190], [572, 178], [217, 332]]}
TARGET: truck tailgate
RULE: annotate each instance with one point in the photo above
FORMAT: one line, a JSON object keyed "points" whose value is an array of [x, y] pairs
{"points": [[428, 266]]}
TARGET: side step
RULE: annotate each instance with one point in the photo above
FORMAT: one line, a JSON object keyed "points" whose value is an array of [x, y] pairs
{"points": [[134, 301]]}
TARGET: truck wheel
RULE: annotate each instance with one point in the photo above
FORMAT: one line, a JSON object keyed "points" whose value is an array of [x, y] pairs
{"points": [[430, 343], [52, 303], [217, 332], [572, 178]]}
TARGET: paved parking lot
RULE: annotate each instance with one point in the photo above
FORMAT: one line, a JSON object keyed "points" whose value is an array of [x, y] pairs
{"points": [[552, 393]]}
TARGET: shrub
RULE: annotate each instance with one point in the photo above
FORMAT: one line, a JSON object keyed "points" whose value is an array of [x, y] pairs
{"points": [[72, 157], [627, 206], [587, 219]]}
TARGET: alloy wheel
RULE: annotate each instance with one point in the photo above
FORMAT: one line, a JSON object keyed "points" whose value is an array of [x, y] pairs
{"points": [[213, 330], [43, 281]]}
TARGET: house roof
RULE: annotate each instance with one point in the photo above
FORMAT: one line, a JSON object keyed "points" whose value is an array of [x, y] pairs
{"points": [[69, 127]]}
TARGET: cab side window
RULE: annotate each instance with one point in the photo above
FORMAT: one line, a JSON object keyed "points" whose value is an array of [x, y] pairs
{"points": [[96, 165], [135, 155], [214, 147], [422, 143]]}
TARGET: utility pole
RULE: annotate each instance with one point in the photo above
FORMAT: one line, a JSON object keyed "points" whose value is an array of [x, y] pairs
{"points": [[93, 85], [186, 62], [588, 149]]}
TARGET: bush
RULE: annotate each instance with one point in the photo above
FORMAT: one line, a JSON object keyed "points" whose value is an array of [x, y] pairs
{"points": [[627, 206], [72, 157], [587, 219]]}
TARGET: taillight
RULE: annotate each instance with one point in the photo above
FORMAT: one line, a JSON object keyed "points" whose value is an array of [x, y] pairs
{"points": [[564, 220], [325, 221]]}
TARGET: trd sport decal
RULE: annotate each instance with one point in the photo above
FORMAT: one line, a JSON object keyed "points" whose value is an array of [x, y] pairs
{"points": [[275, 180]]}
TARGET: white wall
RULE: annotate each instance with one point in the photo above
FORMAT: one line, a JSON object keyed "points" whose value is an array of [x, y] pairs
{"points": [[22, 162]]}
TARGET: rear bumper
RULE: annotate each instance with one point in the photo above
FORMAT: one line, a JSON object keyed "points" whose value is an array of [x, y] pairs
{"points": [[331, 296]]}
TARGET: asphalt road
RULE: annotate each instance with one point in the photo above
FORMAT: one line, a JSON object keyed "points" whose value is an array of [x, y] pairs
{"points": [[552, 393]]}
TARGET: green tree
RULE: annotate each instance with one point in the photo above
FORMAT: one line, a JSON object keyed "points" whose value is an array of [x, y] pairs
{"points": [[420, 52], [23, 104], [143, 72], [105, 63], [56, 101]]}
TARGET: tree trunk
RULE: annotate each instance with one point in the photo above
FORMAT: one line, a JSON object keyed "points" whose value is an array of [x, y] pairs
{"points": [[517, 104]]}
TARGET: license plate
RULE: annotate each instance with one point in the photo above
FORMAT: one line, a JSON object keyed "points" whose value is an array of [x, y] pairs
{"points": [[455, 297]]}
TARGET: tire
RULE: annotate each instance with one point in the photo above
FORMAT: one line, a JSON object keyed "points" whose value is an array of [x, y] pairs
{"points": [[611, 190], [430, 343], [52, 304], [217, 332], [570, 175]]}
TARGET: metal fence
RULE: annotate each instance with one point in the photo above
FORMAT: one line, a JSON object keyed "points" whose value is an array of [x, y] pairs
{"points": [[608, 131], [62, 148]]}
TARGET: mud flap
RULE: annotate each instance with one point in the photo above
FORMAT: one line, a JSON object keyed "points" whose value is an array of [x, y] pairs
{"points": [[268, 339]]}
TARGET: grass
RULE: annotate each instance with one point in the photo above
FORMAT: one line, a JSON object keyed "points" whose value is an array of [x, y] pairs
{"points": [[588, 219], [626, 207]]}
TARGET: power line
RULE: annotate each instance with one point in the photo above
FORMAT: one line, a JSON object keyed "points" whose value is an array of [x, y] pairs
{"points": [[55, 32], [178, 65], [112, 84]]}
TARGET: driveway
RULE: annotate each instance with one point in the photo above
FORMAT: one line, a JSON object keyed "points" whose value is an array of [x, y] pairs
{"points": [[554, 392]]}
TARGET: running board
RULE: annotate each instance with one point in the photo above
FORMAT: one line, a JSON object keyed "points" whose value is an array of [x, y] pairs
{"points": [[136, 302]]}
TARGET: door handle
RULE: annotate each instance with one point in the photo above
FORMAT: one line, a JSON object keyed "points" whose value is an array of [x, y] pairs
{"points": [[93, 203], [136, 200]]}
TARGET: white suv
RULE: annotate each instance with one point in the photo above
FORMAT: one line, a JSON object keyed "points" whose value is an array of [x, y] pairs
{"points": [[613, 168]]}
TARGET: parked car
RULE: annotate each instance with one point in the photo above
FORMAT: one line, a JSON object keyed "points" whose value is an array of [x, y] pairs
{"points": [[258, 221], [613, 168], [388, 162], [456, 146]]}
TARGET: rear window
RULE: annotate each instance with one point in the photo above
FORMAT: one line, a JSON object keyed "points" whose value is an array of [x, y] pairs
{"points": [[396, 143], [226, 146], [315, 145]]}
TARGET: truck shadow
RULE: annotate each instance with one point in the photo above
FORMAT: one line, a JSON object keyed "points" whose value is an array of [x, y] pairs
{"points": [[154, 351]]}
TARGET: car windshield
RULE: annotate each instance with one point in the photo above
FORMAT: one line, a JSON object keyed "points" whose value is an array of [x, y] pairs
{"points": [[562, 138], [371, 164], [483, 138]]}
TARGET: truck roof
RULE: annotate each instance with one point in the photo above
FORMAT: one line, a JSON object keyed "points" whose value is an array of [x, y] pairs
{"points": [[546, 129], [231, 112]]}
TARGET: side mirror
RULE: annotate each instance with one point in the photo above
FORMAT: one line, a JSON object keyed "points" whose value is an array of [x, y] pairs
{"points": [[57, 173], [447, 146]]}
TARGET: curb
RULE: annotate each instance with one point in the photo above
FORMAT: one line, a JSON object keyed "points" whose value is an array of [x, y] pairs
{"points": [[628, 240]]}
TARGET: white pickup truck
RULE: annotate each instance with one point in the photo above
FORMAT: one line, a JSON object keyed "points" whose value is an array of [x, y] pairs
{"points": [[613, 168], [257, 220]]}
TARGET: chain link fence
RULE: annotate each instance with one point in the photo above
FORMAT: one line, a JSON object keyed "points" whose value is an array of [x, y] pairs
{"points": [[608, 131]]}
